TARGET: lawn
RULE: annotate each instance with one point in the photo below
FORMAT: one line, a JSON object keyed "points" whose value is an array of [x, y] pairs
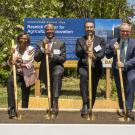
{"points": [[70, 90]]}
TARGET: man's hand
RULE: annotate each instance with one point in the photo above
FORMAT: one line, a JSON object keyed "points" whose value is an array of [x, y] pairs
{"points": [[90, 54], [45, 43], [115, 47], [88, 43], [120, 64], [47, 51]]}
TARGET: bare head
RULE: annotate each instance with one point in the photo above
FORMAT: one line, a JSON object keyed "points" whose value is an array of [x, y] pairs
{"points": [[89, 27], [49, 31], [125, 30]]}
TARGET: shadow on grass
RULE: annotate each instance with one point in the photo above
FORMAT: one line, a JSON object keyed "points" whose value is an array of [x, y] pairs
{"points": [[73, 93], [64, 92]]}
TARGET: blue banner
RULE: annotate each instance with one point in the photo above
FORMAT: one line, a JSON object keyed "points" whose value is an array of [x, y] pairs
{"points": [[69, 30]]}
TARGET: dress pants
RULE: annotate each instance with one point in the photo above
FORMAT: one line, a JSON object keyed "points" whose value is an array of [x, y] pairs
{"points": [[56, 74], [84, 85], [128, 81], [11, 94]]}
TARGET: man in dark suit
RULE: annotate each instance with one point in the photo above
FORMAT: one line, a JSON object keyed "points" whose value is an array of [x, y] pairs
{"points": [[57, 56], [96, 55], [127, 63]]}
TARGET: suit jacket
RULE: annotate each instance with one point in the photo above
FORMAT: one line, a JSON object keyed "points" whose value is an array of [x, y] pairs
{"points": [[129, 65], [130, 54], [59, 56], [99, 53]]}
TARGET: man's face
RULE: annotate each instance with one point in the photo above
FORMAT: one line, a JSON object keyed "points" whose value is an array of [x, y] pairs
{"points": [[49, 31], [125, 32], [89, 28]]}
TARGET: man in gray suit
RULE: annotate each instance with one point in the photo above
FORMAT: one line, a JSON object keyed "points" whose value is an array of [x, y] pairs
{"points": [[127, 63], [57, 56], [96, 54]]}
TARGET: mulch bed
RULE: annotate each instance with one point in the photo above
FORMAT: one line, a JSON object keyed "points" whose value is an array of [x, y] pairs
{"points": [[65, 117]]}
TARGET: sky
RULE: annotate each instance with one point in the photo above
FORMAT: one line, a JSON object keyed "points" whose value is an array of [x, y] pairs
{"points": [[132, 2]]}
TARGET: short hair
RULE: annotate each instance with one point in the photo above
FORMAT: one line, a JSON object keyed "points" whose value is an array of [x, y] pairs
{"points": [[125, 24], [89, 21], [20, 35], [49, 24]]}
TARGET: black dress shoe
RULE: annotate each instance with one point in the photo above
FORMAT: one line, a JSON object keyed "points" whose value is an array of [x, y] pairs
{"points": [[55, 108], [54, 113], [121, 114], [130, 116], [12, 113], [84, 111]]}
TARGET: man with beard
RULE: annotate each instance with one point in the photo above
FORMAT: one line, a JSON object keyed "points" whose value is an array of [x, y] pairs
{"points": [[96, 54]]}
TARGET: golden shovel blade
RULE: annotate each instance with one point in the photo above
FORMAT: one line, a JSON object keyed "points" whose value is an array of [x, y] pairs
{"points": [[48, 114]]}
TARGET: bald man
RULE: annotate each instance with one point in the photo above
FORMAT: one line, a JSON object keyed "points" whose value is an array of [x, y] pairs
{"points": [[57, 56], [127, 63]]}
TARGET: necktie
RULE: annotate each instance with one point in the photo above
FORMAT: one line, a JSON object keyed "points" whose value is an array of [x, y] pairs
{"points": [[50, 44], [122, 52]]}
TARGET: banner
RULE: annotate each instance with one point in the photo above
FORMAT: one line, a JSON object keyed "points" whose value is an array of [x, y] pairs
{"points": [[69, 30]]}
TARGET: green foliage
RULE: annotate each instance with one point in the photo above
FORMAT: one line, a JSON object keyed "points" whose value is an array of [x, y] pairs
{"points": [[97, 9], [13, 12], [70, 72]]}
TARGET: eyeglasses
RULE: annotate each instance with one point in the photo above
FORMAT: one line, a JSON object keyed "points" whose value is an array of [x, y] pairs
{"points": [[126, 31]]}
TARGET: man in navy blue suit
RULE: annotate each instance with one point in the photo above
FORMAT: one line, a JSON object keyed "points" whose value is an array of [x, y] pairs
{"points": [[127, 63]]}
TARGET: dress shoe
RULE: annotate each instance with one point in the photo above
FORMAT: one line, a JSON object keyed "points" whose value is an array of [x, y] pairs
{"points": [[121, 114], [130, 116], [12, 113], [84, 111], [55, 108], [54, 116]]}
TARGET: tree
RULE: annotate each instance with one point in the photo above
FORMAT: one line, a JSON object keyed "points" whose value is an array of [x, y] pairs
{"points": [[97, 9], [13, 12]]}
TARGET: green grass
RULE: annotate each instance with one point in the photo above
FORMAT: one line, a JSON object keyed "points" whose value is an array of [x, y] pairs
{"points": [[70, 90], [3, 97]]}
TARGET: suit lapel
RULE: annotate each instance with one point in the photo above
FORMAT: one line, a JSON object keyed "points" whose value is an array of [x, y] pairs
{"points": [[94, 42], [84, 43], [53, 44], [129, 47]]}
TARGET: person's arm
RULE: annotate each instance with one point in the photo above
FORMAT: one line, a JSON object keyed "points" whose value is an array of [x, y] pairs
{"points": [[131, 62], [39, 52], [80, 52]]}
